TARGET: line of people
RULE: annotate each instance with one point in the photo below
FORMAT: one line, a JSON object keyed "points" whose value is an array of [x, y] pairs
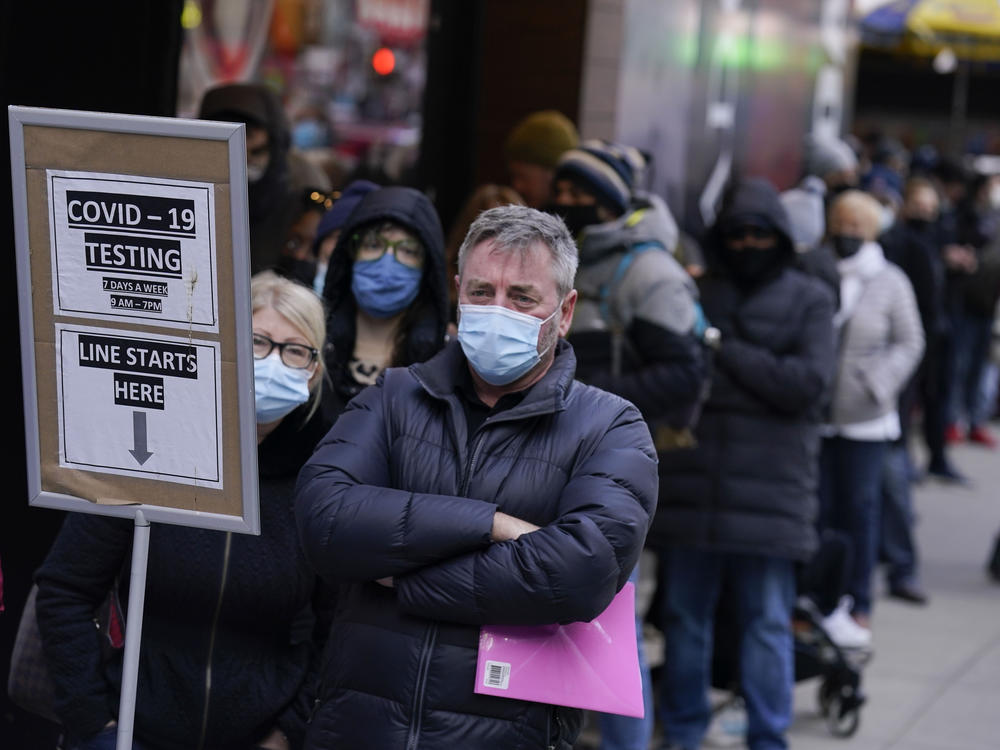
{"points": [[595, 383]]}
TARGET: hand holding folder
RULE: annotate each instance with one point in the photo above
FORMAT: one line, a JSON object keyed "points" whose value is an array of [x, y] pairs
{"points": [[592, 665]]}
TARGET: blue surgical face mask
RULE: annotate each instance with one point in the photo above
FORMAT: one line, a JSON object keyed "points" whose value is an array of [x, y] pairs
{"points": [[500, 344], [278, 388], [384, 287], [308, 134]]}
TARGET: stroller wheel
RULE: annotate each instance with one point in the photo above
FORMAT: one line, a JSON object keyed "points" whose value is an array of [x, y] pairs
{"points": [[840, 720], [825, 695]]}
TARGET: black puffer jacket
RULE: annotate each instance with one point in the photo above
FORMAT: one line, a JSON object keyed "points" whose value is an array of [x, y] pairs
{"points": [[424, 324], [397, 490], [233, 603], [749, 486]]}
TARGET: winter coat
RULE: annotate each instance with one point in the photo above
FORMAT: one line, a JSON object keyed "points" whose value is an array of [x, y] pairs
{"points": [[749, 485], [271, 199], [396, 489], [226, 653], [880, 346], [633, 328], [916, 251], [424, 324]]}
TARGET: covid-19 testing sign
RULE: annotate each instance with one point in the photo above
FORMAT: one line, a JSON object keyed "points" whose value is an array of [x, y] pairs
{"points": [[140, 249], [133, 287]]}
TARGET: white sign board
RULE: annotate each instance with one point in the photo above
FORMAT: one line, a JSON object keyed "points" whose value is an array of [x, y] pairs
{"points": [[134, 300], [130, 248], [155, 400]]}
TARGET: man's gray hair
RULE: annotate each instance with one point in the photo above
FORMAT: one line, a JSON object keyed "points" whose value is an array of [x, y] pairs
{"points": [[518, 228]]}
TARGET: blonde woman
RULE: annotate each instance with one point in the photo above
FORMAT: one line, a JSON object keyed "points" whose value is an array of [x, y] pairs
{"points": [[223, 661], [881, 341]]}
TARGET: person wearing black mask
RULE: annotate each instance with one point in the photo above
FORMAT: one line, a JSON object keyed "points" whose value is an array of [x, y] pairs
{"points": [[880, 343], [634, 330], [740, 505], [914, 243]]}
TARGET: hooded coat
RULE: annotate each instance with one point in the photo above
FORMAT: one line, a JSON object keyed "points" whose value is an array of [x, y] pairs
{"points": [[630, 286], [273, 201], [398, 489], [224, 657], [749, 485], [423, 326]]}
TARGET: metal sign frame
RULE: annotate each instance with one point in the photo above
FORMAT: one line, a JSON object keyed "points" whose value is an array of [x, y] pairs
{"points": [[235, 139]]}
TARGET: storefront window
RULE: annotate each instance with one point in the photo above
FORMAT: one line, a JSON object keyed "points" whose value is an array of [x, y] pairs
{"points": [[350, 72]]}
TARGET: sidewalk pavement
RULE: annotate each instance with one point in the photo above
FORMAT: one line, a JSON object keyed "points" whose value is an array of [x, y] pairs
{"points": [[934, 682]]}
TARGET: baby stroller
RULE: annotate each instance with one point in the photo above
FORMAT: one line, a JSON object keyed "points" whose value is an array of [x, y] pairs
{"points": [[840, 695]]}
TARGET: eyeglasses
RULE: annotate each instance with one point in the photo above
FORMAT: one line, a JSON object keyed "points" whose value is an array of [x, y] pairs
{"points": [[296, 356], [747, 231], [408, 250]]}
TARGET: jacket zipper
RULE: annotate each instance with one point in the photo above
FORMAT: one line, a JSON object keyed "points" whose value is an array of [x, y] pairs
{"points": [[552, 742], [472, 465], [416, 712], [211, 639], [416, 721]]}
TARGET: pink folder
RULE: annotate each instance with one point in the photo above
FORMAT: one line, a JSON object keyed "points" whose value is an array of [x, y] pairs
{"points": [[593, 665]]}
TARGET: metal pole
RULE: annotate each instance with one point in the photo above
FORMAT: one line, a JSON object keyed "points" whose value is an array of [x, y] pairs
{"points": [[133, 631]]}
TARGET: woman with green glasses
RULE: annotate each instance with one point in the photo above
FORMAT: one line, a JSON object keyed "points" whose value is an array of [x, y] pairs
{"points": [[385, 290]]}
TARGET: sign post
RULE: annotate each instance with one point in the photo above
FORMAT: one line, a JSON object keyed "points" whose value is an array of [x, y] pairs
{"points": [[134, 301], [133, 631]]}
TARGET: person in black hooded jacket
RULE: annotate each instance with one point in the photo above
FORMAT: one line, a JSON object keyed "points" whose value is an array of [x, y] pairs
{"points": [[277, 173], [387, 304], [741, 504]]}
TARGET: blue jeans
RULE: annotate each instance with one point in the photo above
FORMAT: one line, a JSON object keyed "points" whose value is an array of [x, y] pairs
{"points": [[850, 497], [626, 732], [971, 339], [765, 589], [897, 547]]}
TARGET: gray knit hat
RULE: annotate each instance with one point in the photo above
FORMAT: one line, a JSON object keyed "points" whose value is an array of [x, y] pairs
{"points": [[826, 154]]}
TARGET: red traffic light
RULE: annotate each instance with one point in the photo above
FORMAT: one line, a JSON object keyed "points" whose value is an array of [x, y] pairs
{"points": [[383, 61]]}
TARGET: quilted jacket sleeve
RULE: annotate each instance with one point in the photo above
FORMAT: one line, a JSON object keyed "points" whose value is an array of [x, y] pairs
{"points": [[570, 569], [887, 374], [791, 383], [354, 527], [75, 578]]}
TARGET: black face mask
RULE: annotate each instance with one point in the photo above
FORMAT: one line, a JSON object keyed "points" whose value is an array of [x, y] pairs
{"points": [[751, 266], [577, 218], [845, 246], [918, 225]]}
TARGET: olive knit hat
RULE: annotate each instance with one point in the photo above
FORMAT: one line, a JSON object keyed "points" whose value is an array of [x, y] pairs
{"points": [[541, 138]]}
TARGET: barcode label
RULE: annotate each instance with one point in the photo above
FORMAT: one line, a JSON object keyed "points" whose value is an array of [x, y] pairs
{"points": [[497, 675]]}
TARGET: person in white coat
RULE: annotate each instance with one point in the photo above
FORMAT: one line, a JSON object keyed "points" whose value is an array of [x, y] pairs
{"points": [[881, 341]]}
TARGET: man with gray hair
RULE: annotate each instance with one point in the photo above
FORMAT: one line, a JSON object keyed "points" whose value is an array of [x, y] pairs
{"points": [[485, 486]]}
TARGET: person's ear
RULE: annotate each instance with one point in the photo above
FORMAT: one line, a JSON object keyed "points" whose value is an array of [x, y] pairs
{"points": [[568, 306]]}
